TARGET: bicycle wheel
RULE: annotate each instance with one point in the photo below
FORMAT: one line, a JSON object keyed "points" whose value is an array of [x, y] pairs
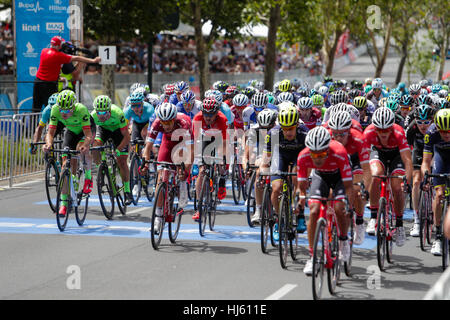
{"points": [[150, 182], [319, 258], [333, 273], [266, 219], [381, 233], [430, 217], [105, 191], [235, 183], [283, 227], [213, 204], [175, 222], [135, 179], [348, 264], [251, 201], [444, 244], [157, 236], [63, 184], [423, 219], [390, 231], [242, 182], [120, 191], [203, 205], [82, 200], [51, 182]]}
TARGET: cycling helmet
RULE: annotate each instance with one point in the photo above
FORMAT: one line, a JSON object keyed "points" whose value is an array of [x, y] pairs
{"points": [[318, 85], [323, 90], [66, 100], [376, 84], [327, 79], [340, 96], [276, 86], [188, 96], [305, 103], [240, 100], [340, 120], [259, 85], [443, 104], [340, 107], [435, 88], [166, 111], [288, 115], [52, 99], [414, 89], [338, 84], [423, 112], [102, 103], [423, 83], [181, 86], [296, 83], [210, 105], [368, 81], [354, 93], [134, 86], [216, 94], [220, 85], [442, 93], [318, 139], [406, 100], [442, 119], [259, 100], [154, 100], [317, 100], [146, 88], [424, 99], [137, 97], [354, 113], [302, 92], [249, 92], [383, 118], [285, 85], [392, 104], [231, 91], [357, 85], [169, 89], [285, 96], [367, 89], [360, 103], [266, 118]]}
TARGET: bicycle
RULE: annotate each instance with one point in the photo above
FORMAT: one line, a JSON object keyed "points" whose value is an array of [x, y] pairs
{"points": [[237, 177], [138, 182], [250, 192], [207, 200], [445, 243], [109, 191], [168, 188], [52, 172], [425, 212], [74, 197], [287, 222], [326, 247], [268, 219], [385, 226]]}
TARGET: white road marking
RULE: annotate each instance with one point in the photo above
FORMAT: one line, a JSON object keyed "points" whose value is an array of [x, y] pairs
{"points": [[281, 292], [138, 210]]}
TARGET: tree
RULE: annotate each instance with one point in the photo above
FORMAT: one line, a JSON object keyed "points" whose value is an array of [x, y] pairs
{"points": [[225, 17], [420, 59]]}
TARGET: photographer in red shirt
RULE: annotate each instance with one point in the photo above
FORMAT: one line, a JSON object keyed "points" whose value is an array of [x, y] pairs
{"points": [[49, 69]]}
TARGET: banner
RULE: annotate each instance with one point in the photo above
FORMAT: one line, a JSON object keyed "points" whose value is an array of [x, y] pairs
{"points": [[36, 22]]}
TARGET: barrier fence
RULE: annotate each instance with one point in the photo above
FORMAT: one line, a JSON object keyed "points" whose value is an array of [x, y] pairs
{"points": [[441, 289], [16, 134]]}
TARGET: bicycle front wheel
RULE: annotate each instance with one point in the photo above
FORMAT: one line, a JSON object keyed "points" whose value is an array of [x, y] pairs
{"points": [[348, 264], [135, 179], [381, 234], [63, 197], [283, 226], [175, 222], [82, 200], [156, 234], [266, 219], [105, 191], [203, 205], [333, 273], [319, 247], [51, 182], [251, 201], [445, 245], [235, 183]]}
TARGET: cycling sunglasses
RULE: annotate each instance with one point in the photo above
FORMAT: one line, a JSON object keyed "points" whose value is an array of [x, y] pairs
{"points": [[383, 130], [444, 131], [258, 109], [340, 134], [318, 155], [289, 128], [167, 122], [102, 113], [136, 105], [209, 114], [423, 122], [65, 111], [404, 108]]}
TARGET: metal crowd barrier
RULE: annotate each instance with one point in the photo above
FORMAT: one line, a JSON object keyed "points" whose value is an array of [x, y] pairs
{"points": [[16, 134], [441, 289]]}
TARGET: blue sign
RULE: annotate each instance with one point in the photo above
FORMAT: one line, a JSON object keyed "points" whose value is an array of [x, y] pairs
{"points": [[36, 23]]}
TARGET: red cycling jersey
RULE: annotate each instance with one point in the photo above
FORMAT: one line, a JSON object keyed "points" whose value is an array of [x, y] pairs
{"points": [[337, 160], [314, 120], [356, 144], [238, 119], [355, 125], [185, 135], [50, 64], [219, 124], [397, 139]]}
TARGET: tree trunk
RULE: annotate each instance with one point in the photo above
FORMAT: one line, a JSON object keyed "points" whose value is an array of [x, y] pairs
{"points": [[401, 65], [330, 53], [108, 81], [381, 62], [202, 52], [271, 52], [444, 50]]}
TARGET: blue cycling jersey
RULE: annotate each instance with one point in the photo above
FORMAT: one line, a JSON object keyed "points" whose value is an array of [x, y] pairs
{"points": [[147, 116], [173, 99], [45, 118], [195, 109], [226, 110]]}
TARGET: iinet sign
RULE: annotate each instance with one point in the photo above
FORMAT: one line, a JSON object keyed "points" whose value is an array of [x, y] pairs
{"points": [[30, 27]]}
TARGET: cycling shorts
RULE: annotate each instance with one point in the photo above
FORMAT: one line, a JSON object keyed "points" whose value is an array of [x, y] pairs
{"points": [[322, 182], [116, 136], [441, 165], [390, 160]]}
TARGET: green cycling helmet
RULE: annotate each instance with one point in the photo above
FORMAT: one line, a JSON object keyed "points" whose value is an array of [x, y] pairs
{"points": [[66, 100], [102, 103], [392, 104], [442, 119], [317, 100]]}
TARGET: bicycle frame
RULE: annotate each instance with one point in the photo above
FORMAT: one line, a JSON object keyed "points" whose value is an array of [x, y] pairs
{"points": [[329, 215]]}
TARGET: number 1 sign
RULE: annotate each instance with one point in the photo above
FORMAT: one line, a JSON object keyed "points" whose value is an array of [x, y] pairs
{"points": [[107, 54]]}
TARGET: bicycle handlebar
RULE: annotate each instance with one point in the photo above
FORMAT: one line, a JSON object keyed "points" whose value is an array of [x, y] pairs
{"points": [[66, 150], [43, 143], [137, 141]]}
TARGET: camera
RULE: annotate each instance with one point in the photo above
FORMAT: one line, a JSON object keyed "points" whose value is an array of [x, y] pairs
{"points": [[69, 48]]}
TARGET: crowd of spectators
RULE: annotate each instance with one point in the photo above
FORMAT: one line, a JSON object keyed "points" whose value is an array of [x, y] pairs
{"points": [[6, 49]]}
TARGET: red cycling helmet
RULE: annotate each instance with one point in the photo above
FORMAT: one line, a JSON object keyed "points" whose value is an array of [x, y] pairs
{"points": [[169, 89], [210, 105], [231, 90]]}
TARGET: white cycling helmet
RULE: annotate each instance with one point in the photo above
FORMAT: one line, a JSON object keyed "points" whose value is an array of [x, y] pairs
{"points": [[376, 84], [240, 100], [323, 90], [260, 100], [285, 96], [318, 139], [166, 111], [340, 120], [383, 118], [266, 117], [305, 103]]}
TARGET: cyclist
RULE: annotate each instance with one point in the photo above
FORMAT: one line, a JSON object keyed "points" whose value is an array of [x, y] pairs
{"points": [[179, 88], [310, 116], [240, 102], [392, 104], [224, 108], [168, 91], [229, 94], [437, 147], [78, 135], [365, 115], [255, 140], [206, 124], [415, 135], [329, 159], [390, 155], [340, 129], [354, 113], [140, 113], [318, 103], [259, 102], [173, 126], [45, 118], [377, 92], [111, 124], [282, 146], [188, 105]]}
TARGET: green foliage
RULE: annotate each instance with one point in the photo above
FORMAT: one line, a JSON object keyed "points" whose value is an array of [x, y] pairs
{"points": [[420, 59]]}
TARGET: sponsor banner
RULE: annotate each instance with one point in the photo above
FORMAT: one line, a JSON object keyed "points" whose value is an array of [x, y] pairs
{"points": [[36, 23]]}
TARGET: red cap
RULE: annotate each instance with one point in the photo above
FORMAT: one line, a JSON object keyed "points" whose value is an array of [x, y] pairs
{"points": [[56, 41]]}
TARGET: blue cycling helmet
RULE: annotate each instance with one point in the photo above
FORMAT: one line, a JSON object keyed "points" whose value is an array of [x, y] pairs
{"points": [[188, 96], [216, 94], [181, 86], [406, 100], [137, 97], [52, 99], [424, 112], [435, 88]]}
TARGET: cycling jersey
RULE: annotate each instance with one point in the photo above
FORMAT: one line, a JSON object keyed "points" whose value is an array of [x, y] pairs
{"points": [[435, 144], [315, 119], [147, 114], [79, 120], [355, 125], [249, 115], [116, 120], [396, 141], [371, 96], [45, 116], [238, 118], [185, 135], [195, 109], [225, 109], [219, 124], [173, 99], [416, 140]]}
